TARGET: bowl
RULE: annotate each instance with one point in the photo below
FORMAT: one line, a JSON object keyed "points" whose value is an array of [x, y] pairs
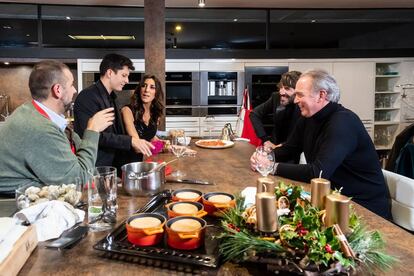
{"points": [[187, 140], [176, 195], [173, 212], [215, 208], [145, 236], [185, 239]]}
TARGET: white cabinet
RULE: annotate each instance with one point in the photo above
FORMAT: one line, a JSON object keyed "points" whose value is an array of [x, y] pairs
{"points": [[304, 66], [198, 126], [216, 125], [387, 104], [356, 83], [191, 125]]}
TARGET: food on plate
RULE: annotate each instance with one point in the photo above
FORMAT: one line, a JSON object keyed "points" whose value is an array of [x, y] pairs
{"points": [[185, 225], [145, 222], [211, 143], [187, 195], [185, 208], [219, 199]]}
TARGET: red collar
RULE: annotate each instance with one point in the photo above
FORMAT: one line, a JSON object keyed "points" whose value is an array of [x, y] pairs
{"points": [[40, 110]]}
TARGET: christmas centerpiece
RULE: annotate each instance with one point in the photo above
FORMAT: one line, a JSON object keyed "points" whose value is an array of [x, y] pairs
{"points": [[288, 232]]}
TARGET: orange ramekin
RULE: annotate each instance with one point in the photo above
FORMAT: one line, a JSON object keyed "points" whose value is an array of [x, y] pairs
{"points": [[145, 236], [175, 198], [216, 209], [172, 214], [185, 240]]}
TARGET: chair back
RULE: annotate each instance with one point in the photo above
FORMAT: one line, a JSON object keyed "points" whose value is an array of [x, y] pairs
{"points": [[402, 195]]}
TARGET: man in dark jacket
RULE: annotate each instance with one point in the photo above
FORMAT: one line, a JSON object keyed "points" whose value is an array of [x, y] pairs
{"points": [[335, 143], [114, 71], [285, 112]]}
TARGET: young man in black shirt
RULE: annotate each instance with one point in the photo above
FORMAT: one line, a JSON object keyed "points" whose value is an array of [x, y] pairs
{"points": [[335, 143]]}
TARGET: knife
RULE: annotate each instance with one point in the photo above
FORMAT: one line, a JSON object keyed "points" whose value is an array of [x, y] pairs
{"points": [[190, 181]]}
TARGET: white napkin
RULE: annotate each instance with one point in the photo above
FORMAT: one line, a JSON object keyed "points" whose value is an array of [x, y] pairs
{"points": [[51, 218], [10, 232], [249, 194]]}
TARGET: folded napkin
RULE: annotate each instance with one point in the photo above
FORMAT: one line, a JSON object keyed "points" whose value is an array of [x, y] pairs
{"points": [[51, 218]]}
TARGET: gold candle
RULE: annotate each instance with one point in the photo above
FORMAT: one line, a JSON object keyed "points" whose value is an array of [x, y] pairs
{"points": [[320, 188], [337, 211], [265, 184], [266, 212]]}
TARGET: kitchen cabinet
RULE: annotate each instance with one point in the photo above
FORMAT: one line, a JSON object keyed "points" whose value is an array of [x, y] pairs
{"points": [[387, 104], [356, 83], [304, 66]]}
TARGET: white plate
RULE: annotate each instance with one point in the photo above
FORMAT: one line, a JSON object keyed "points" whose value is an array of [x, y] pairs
{"points": [[227, 144]]}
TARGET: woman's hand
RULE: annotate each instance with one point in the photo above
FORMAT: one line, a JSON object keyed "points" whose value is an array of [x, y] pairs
{"points": [[142, 146], [253, 161]]}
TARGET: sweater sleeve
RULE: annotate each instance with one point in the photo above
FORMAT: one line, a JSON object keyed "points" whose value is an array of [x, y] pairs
{"points": [[293, 147], [257, 115], [52, 160], [339, 138]]}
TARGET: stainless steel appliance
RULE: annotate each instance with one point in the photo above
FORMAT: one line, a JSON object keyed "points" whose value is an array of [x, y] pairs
{"points": [[182, 93], [221, 92], [262, 82]]}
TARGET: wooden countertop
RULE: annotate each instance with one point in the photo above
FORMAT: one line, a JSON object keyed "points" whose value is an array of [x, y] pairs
{"points": [[229, 168]]}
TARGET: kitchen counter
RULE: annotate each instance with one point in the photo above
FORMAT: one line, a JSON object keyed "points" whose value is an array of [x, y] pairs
{"points": [[229, 168]]}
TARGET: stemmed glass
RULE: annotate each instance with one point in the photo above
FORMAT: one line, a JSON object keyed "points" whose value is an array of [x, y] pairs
{"points": [[265, 160], [178, 148], [210, 121]]}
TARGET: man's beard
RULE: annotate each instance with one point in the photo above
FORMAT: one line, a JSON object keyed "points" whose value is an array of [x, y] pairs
{"points": [[67, 106]]}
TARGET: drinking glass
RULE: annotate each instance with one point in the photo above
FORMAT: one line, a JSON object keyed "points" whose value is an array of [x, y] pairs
{"points": [[178, 148], [102, 198], [210, 124], [264, 160]]}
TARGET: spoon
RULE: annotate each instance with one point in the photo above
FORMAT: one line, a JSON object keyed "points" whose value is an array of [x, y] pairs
{"points": [[155, 169]]}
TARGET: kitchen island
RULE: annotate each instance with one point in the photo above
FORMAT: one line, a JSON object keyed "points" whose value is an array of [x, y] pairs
{"points": [[229, 169]]}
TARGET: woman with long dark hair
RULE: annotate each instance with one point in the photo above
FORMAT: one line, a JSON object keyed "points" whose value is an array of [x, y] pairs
{"points": [[142, 116]]}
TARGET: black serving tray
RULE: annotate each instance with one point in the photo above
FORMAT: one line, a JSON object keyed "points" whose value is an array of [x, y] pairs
{"points": [[117, 246]]}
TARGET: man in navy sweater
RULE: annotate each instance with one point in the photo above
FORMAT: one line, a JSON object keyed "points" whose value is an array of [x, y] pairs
{"points": [[335, 143]]}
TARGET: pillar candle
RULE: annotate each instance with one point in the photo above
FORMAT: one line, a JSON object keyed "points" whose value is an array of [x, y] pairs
{"points": [[320, 188], [265, 184], [337, 211], [266, 212]]}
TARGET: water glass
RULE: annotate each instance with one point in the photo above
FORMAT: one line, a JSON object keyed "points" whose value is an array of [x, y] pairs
{"points": [[264, 160], [178, 148], [102, 198], [210, 124]]}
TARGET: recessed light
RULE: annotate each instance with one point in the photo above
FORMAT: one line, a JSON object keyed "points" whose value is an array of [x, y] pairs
{"points": [[178, 28], [27, 35], [235, 19], [7, 27], [233, 59], [313, 20], [68, 18], [6, 63], [201, 3]]}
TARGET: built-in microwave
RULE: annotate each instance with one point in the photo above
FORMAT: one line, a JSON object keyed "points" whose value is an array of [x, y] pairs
{"points": [[221, 92], [182, 93]]}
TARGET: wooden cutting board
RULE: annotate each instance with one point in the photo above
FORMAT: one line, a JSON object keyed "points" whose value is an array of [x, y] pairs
{"points": [[20, 253]]}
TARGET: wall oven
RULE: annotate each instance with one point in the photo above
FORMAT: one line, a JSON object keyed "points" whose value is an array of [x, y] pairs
{"points": [[221, 93], [182, 93], [262, 83]]}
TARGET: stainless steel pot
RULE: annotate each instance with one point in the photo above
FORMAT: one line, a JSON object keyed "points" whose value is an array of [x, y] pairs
{"points": [[136, 183]]}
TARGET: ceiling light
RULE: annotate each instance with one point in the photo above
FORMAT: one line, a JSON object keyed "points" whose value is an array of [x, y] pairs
{"points": [[6, 63], [27, 35], [178, 28], [102, 37], [235, 19], [68, 17], [7, 27], [313, 20], [201, 3]]}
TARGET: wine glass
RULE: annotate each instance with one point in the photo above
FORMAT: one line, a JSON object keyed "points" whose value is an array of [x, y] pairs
{"points": [[210, 121], [178, 148], [265, 160]]}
